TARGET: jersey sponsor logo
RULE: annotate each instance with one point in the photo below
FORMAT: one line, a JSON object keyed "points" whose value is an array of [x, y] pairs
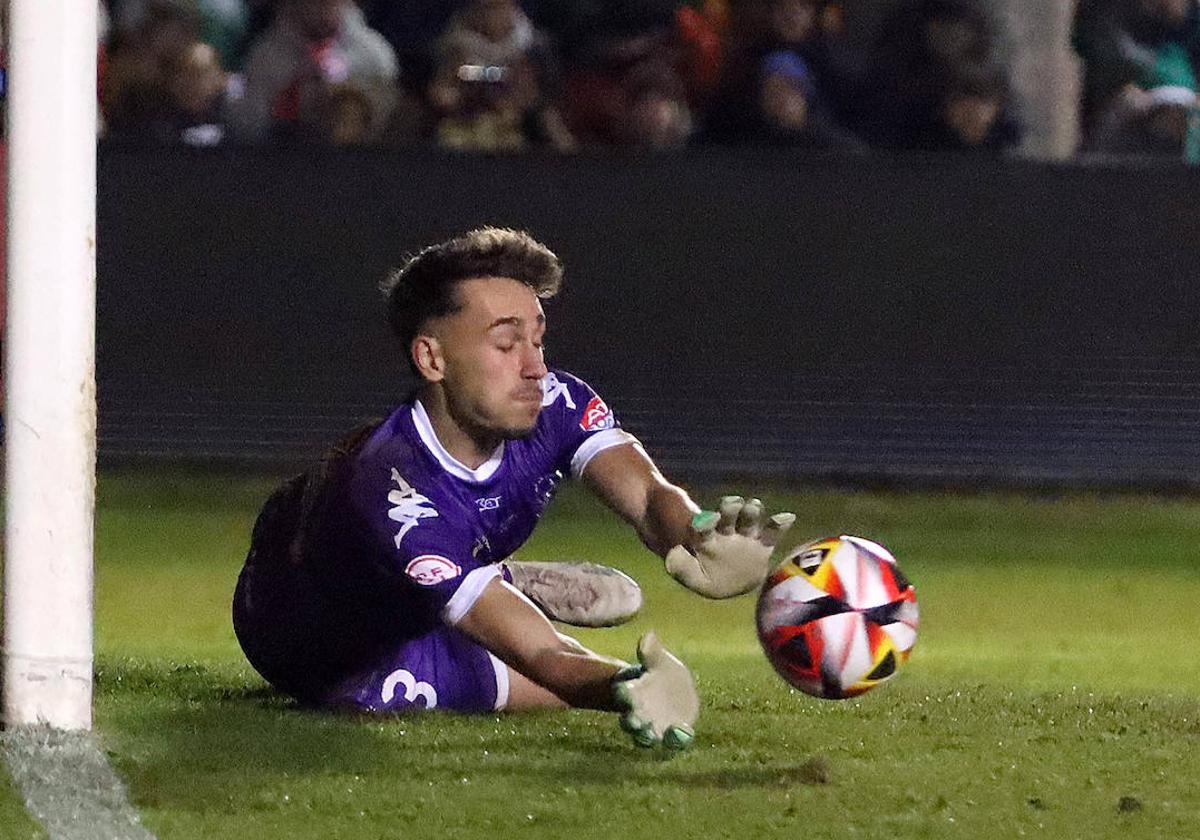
{"points": [[432, 569], [490, 503], [596, 416], [408, 506], [553, 389], [413, 688]]}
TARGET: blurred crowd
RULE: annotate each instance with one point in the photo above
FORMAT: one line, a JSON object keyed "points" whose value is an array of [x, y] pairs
{"points": [[505, 75], [500, 75], [1140, 77]]}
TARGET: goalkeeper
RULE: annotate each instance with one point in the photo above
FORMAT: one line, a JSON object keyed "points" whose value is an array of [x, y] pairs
{"points": [[383, 580]]}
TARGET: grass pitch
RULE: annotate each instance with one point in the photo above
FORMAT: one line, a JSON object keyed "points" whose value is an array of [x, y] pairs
{"points": [[1054, 691], [15, 823]]}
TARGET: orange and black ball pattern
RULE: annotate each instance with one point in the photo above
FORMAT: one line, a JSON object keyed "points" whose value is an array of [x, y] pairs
{"points": [[837, 617]]}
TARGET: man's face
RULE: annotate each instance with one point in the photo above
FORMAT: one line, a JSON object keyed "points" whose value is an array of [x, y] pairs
{"points": [[783, 103], [658, 119], [199, 79], [492, 352], [972, 117]]}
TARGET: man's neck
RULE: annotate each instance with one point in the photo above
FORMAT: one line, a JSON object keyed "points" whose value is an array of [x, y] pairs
{"points": [[470, 449]]}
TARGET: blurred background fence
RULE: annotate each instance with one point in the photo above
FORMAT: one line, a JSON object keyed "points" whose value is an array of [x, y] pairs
{"points": [[803, 317]]}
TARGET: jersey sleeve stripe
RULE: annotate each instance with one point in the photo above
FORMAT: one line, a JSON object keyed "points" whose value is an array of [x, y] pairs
{"points": [[468, 593], [594, 445]]}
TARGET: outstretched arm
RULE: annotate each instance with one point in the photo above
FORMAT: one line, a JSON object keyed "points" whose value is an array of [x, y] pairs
{"points": [[510, 626], [657, 698], [718, 554], [627, 481]]}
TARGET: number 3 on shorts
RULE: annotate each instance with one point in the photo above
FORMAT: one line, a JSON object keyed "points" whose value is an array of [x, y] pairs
{"points": [[412, 688]]}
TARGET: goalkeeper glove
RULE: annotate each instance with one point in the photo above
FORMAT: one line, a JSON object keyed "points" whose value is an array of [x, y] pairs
{"points": [[658, 697], [732, 551]]}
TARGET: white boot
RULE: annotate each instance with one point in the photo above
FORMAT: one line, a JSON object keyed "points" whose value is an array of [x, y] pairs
{"points": [[582, 594]]}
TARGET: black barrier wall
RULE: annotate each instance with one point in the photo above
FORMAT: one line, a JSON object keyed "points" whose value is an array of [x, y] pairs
{"points": [[743, 312]]}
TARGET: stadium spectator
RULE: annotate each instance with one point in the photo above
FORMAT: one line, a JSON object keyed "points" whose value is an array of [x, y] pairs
{"points": [[780, 89], [493, 88], [1140, 74], [657, 111], [201, 92], [163, 84], [939, 80], [222, 23], [1146, 123], [311, 53], [626, 90], [135, 93]]}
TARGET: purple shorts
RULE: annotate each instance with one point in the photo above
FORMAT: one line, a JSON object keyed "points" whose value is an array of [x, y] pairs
{"points": [[444, 669], [288, 639]]}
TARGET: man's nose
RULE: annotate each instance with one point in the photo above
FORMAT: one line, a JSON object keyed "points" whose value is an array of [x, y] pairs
{"points": [[534, 364]]}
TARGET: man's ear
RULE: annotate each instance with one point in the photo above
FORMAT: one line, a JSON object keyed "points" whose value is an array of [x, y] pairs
{"points": [[427, 356]]}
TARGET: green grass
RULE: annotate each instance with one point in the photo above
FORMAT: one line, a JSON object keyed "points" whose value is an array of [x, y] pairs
{"points": [[1055, 678], [15, 822]]}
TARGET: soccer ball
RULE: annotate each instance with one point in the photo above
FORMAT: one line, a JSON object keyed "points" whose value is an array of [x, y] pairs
{"points": [[837, 617]]}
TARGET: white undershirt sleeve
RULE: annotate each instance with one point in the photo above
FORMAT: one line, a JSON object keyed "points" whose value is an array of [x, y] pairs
{"points": [[468, 593], [594, 445]]}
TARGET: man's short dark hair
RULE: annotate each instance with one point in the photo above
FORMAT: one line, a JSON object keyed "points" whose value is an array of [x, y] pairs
{"points": [[424, 287]]}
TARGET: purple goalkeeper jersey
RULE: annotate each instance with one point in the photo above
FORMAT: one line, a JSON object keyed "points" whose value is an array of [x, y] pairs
{"points": [[436, 528]]}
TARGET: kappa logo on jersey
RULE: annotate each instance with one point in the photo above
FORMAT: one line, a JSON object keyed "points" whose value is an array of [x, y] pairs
{"points": [[432, 569], [553, 388], [596, 416], [409, 506], [489, 503]]}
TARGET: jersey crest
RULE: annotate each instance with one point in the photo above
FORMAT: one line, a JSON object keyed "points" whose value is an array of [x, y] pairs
{"points": [[432, 569]]}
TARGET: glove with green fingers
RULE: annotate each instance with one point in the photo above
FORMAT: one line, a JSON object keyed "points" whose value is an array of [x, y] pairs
{"points": [[658, 697], [731, 549]]}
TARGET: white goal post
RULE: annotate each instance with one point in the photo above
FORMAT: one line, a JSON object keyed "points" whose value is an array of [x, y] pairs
{"points": [[49, 362]]}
